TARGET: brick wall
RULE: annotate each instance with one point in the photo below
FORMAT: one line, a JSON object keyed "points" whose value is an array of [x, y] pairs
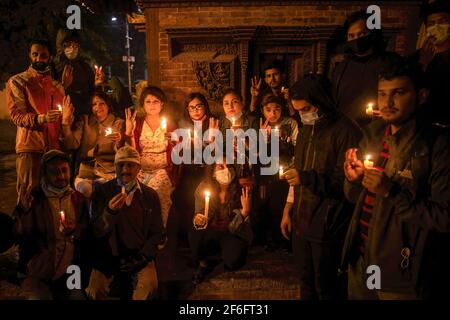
{"points": [[177, 77]]}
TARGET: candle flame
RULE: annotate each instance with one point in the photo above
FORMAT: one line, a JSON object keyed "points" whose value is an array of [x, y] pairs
{"points": [[370, 105], [368, 157], [59, 107], [207, 194]]}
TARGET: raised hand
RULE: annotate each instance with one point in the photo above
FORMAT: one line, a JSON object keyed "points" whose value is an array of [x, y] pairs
{"points": [[99, 75], [353, 168], [246, 201], [256, 86], [213, 124], [67, 111], [130, 121]]}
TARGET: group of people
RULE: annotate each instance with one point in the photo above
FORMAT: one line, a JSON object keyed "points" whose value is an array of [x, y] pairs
{"points": [[97, 188]]}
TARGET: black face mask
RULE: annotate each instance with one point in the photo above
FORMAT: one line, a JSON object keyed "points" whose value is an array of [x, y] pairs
{"points": [[39, 66], [359, 46]]}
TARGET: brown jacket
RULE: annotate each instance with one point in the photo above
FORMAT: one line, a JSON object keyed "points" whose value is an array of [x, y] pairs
{"points": [[29, 94], [88, 134], [35, 233]]}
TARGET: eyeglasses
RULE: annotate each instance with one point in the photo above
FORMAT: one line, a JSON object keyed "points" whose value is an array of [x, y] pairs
{"points": [[196, 107]]}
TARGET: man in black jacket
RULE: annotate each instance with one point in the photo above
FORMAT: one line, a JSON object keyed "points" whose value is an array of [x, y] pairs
{"points": [[75, 74], [355, 79], [320, 213], [127, 215], [401, 221]]}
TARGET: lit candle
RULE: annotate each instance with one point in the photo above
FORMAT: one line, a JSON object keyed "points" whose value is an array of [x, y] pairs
{"points": [[277, 129], [123, 190], [367, 162], [189, 133], [369, 109], [96, 67], [233, 122], [281, 172], [59, 108], [108, 131], [207, 195], [164, 124], [62, 216]]}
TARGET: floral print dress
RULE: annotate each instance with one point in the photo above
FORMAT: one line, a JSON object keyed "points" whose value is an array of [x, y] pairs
{"points": [[154, 163]]}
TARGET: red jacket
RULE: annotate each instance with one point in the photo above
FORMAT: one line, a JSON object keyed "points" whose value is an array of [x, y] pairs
{"points": [[29, 94]]}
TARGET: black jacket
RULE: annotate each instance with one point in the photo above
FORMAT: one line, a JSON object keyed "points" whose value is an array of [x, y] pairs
{"points": [[415, 214], [355, 84], [320, 210], [105, 221]]}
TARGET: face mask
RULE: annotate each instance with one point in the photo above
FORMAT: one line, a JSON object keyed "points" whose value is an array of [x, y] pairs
{"points": [[224, 176], [40, 67], [309, 118], [359, 46], [52, 191], [439, 31], [71, 53]]}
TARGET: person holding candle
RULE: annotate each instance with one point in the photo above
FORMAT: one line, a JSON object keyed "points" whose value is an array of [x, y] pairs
{"points": [[320, 213], [221, 220], [153, 143], [31, 98], [355, 78], [197, 113], [128, 228], [50, 242], [275, 189], [96, 138], [401, 219]]}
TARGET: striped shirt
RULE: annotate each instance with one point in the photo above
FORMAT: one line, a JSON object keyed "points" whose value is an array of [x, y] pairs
{"points": [[369, 199]]}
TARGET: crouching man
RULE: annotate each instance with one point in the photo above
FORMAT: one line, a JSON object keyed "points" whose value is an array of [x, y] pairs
{"points": [[50, 223], [128, 227]]}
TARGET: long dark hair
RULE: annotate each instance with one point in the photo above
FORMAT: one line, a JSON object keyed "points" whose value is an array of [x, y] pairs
{"points": [[191, 96]]}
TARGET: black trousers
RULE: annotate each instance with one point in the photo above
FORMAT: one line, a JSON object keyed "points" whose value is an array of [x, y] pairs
{"points": [[317, 265], [208, 242]]}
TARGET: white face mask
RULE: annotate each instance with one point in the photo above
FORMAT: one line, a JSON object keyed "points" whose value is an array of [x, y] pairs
{"points": [[224, 176], [440, 31], [71, 53], [309, 118]]}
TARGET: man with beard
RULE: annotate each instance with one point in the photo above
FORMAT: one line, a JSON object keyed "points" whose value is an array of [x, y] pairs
{"points": [[127, 222], [355, 79], [74, 73], [274, 84], [401, 221], [32, 98], [50, 228]]}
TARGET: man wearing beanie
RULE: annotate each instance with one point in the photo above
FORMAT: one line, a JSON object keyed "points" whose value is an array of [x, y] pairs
{"points": [[50, 223], [127, 223]]}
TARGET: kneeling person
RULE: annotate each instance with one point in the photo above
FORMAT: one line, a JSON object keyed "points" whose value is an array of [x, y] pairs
{"points": [[127, 218]]}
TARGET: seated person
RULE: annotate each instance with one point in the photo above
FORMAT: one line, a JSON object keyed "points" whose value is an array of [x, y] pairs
{"points": [[221, 221], [128, 227]]}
